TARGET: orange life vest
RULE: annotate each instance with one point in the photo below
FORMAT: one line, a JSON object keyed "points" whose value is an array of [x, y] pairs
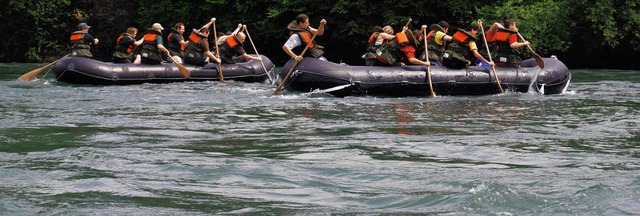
{"points": [[182, 47], [402, 39], [129, 48]]}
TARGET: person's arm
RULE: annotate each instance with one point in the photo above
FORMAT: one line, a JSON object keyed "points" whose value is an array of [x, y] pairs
{"points": [[238, 29], [495, 26], [320, 31], [208, 24], [386, 36], [138, 42], [292, 42], [447, 37], [416, 61], [478, 56], [183, 42], [249, 57], [211, 56], [208, 52], [515, 44], [163, 49]]}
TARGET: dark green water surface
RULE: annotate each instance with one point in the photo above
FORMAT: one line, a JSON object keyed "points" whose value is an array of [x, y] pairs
{"points": [[231, 148]]}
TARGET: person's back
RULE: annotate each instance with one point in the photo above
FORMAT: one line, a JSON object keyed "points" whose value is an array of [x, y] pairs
{"points": [[458, 54], [198, 44], [379, 47], [152, 45]]}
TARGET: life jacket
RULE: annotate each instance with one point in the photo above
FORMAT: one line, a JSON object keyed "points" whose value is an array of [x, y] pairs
{"points": [[174, 47], [402, 40], [502, 41], [305, 36], [80, 47], [123, 51], [503, 53], [436, 49], [150, 47], [227, 49], [457, 54], [194, 53], [372, 41]]}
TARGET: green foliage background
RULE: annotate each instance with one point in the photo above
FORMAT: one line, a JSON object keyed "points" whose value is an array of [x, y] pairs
{"points": [[583, 33]]}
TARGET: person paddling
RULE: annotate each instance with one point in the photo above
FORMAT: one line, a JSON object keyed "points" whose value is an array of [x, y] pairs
{"points": [[81, 41], [301, 34]]}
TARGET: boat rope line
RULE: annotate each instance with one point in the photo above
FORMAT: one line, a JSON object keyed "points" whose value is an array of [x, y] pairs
{"points": [[45, 74]]}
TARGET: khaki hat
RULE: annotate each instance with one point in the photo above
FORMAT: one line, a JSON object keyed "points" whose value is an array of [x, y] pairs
{"points": [[157, 26]]}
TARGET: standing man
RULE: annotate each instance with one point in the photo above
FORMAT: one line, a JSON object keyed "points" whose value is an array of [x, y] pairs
{"points": [[124, 45], [152, 48], [301, 34], [81, 41], [176, 43]]}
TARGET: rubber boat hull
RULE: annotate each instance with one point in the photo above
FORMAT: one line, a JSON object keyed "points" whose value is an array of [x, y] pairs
{"points": [[314, 74], [79, 70]]}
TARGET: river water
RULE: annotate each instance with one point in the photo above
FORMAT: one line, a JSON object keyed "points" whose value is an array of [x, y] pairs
{"points": [[199, 148]]}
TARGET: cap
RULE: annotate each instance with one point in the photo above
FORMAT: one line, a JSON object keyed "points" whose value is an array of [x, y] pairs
{"points": [[83, 26], [157, 26]]}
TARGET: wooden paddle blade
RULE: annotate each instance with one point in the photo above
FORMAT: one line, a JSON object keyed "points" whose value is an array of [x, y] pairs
{"points": [[539, 60], [185, 72], [30, 75]]}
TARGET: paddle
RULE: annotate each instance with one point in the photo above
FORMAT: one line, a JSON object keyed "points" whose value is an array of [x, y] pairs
{"points": [[535, 55], [426, 53], [279, 88], [185, 72], [31, 74], [493, 67], [215, 39], [254, 48]]}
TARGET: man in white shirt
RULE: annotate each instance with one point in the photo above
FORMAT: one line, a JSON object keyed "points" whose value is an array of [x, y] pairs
{"points": [[301, 34]]}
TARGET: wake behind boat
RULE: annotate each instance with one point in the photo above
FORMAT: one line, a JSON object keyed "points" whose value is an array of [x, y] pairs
{"points": [[314, 74], [80, 70]]}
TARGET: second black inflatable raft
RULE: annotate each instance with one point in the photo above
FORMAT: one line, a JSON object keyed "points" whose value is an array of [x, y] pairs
{"points": [[314, 74]]}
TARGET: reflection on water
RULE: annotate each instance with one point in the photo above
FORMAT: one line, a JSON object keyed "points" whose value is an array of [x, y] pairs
{"points": [[232, 148]]}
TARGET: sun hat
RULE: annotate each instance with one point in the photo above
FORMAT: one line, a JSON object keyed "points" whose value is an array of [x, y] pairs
{"points": [[157, 26]]}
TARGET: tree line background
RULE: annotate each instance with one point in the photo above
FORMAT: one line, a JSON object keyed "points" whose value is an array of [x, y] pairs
{"points": [[582, 33]]}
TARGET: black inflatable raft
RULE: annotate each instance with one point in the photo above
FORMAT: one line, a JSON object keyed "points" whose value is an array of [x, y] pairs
{"points": [[79, 70], [314, 74]]}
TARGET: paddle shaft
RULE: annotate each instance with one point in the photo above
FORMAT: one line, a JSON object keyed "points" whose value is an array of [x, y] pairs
{"points": [[535, 55], [215, 40], [493, 67], [31, 74], [426, 53], [256, 50], [279, 88]]}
